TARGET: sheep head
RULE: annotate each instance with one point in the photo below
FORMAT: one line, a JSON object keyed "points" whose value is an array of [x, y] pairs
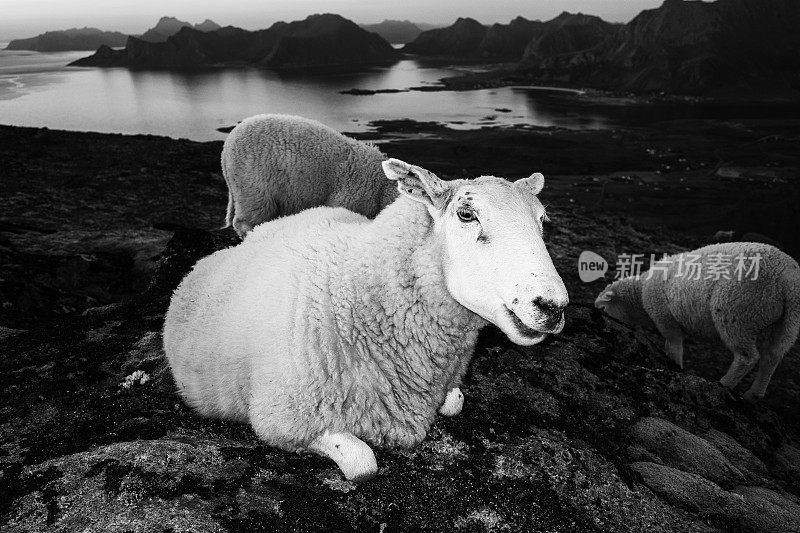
{"points": [[494, 259], [622, 300]]}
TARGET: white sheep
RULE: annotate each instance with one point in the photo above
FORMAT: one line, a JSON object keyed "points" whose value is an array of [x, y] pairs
{"points": [[745, 294], [325, 328], [277, 165]]}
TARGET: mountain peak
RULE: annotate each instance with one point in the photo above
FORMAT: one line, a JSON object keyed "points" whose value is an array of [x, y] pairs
{"points": [[567, 15], [169, 20], [207, 25], [168, 26]]}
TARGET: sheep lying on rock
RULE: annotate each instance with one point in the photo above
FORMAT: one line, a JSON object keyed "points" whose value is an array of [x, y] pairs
{"points": [[745, 294], [277, 165], [325, 328]]}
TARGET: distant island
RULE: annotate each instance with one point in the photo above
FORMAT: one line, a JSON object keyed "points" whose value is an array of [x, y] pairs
{"points": [[720, 49], [319, 41], [93, 38], [72, 39], [398, 31], [723, 49]]}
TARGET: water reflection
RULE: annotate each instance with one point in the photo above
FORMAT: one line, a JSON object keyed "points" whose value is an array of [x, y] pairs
{"points": [[39, 90]]}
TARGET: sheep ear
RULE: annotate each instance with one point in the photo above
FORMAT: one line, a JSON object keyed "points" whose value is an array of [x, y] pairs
{"points": [[533, 183], [417, 183], [605, 297]]}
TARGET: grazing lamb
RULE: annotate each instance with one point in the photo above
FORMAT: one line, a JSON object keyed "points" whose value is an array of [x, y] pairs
{"points": [[277, 165], [745, 294], [325, 328]]}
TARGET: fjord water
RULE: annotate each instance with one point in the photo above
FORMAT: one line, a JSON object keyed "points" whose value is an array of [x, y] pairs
{"points": [[38, 89]]}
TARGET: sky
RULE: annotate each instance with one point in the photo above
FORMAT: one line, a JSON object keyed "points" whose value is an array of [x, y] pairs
{"points": [[26, 18]]}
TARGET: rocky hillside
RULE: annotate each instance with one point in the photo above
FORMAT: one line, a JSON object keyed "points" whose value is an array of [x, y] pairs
{"points": [[462, 39], [686, 47], [725, 48], [509, 40], [566, 36], [520, 39], [168, 26], [72, 39], [318, 41], [591, 431]]}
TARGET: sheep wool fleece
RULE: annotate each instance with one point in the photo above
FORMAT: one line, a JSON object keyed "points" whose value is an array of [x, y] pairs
{"points": [[278, 165], [736, 309], [323, 321]]}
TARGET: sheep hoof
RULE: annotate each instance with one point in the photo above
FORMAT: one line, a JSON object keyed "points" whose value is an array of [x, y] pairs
{"points": [[453, 403], [352, 455], [729, 392], [752, 397]]}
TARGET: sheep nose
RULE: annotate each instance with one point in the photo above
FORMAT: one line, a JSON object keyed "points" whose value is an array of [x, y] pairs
{"points": [[551, 309]]}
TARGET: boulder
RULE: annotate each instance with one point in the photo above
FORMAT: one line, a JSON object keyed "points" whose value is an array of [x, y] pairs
{"points": [[682, 450]]}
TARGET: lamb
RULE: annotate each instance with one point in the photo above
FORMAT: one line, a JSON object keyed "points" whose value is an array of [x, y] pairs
{"points": [[325, 328], [278, 165], [745, 294]]}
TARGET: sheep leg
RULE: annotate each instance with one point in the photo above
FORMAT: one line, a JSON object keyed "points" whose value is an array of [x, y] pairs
{"points": [[766, 368], [743, 362], [453, 403], [253, 212], [241, 227], [671, 331], [352, 455], [674, 349]]}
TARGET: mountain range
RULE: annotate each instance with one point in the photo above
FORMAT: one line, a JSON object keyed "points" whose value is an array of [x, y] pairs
{"points": [[727, 47], [691, 47], [92, 38], [324, 40], [521, 39]]}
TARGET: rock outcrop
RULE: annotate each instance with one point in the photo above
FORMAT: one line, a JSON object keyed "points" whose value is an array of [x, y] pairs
{"points": [[592, 430], [328, 41]]}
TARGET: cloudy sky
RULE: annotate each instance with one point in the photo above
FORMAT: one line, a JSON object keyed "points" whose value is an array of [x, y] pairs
{"points": [[25, 18]]}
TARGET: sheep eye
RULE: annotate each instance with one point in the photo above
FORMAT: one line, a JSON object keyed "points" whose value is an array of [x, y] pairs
{"points": [[466, 215]]}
